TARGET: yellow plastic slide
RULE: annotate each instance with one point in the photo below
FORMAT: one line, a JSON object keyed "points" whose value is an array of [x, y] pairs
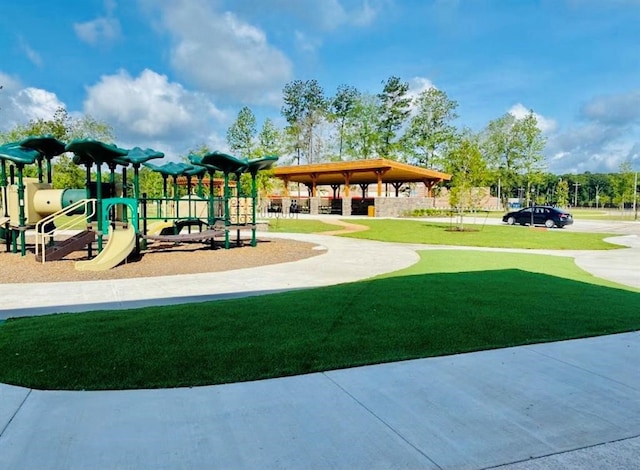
{"points": [[121, 243], [157, 227]]}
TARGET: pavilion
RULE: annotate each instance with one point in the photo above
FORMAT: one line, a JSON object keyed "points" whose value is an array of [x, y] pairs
{"points": [[363, 173]]}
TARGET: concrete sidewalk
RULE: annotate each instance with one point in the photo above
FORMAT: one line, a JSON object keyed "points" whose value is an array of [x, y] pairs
{"points": [[343, 260], [570, 405]]}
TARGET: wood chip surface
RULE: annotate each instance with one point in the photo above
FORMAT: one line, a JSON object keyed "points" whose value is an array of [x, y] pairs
{"points": [[160, 259]]}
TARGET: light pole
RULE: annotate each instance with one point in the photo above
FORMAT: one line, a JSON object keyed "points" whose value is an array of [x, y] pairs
{"points": [[575, 198]]}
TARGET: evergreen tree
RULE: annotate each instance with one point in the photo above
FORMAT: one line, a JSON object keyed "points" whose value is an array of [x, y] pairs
{"points": [[342, 107], [241, 134], [394, 111]]}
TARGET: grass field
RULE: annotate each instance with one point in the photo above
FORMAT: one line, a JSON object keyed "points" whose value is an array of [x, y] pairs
{"points": [[420, 231], [449, 302]]}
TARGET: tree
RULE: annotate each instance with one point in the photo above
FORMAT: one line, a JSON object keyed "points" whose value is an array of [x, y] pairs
{"points": [[305, 107], [532, 144], [269, 139], [361, 132], [501, 150], [514, 151], [64, 128], [430, 131], [394, 111], [151, 182], [623, 184], [468, 168], [342, 107], [269, 143], [562, 193], [241, 134]]}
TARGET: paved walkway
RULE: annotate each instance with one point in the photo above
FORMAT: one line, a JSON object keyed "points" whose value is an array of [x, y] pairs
{"points": [[572, 404]]}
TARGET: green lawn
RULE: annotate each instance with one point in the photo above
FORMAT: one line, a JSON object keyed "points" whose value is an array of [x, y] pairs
{"points": [[449, 302], [609, 214], [498, 236], [421, 231]]}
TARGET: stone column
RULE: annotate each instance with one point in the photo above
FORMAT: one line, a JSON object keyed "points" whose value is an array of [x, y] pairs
{"points": [[346, 206], [314, 205]]}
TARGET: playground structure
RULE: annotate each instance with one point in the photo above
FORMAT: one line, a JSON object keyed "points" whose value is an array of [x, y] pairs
{"points": [[116, 209]]}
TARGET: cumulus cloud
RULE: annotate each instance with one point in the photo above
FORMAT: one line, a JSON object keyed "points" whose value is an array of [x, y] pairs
{"points": [[150, 108], [546, 125], [608, 135], [102, 30], [417, 85], [616, 110], [20, 104], [221, 53]]}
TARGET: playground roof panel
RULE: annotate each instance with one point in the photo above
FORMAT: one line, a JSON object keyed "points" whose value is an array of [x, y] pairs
{"points": [[263, 163], [197, 160], [89, 151], [171, 168], [136, 155], [17, 154], [47, 145], [226, 163], [359, 172]]}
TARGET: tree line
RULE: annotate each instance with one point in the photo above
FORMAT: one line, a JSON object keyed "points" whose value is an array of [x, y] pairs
{"points": [[506, 155]]}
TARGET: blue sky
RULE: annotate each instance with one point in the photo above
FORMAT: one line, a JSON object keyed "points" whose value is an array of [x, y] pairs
{"points": [[173, 74]]}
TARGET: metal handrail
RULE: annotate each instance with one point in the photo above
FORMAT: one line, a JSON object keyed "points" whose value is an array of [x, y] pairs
{"points": [[42, 236]]}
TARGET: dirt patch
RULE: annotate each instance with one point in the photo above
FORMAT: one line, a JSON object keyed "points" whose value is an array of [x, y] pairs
{"points": [[347, 227]]}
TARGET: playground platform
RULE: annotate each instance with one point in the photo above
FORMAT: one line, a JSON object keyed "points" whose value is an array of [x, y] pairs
{"points": [[570, 405]]}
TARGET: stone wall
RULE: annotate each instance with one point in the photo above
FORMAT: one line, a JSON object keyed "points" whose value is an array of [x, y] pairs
{"points": [[402, 206]]}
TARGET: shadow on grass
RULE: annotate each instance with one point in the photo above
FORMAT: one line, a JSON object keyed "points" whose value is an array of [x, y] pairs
{"points": [[291, 333]]}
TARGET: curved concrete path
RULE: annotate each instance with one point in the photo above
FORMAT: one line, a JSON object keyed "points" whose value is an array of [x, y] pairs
{"points": [[342, 260], [570, 405]]}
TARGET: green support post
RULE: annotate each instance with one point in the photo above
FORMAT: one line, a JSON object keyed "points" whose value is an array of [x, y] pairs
{"points": [[49, 172], [200, 190], [99, 204], [226, 210], [3, 182], [40, 173], [22, 217], [254, 194], [175, 199]]}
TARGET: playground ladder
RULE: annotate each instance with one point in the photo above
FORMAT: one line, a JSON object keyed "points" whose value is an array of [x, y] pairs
{"points": [[43, 236]]}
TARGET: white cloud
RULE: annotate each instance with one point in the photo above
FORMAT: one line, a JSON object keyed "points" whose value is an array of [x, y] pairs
{"points": [[608, 135], [150, 109], [546, 125], [31, 54], [589, 147], [417, 85], [20, 104], [621, 109], [332, 14], [102, 30], [221, 53], [324, 15]]}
